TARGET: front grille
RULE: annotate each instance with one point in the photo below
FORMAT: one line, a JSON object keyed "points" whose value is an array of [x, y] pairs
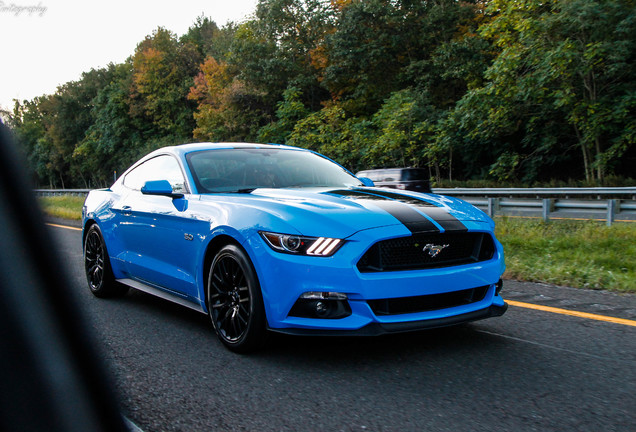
{"points": [[418, 251], [429, 302]]}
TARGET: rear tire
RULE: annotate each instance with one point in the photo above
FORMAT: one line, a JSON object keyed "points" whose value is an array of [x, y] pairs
{"points": [[235, 303], [99, 274]]}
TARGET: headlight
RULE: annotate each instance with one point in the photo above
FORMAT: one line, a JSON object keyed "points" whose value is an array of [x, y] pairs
{"points": [[293, 244]]}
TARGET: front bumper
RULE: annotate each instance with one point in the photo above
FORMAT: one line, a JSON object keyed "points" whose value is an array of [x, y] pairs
{"points": [[377, 328], [284, 278]]}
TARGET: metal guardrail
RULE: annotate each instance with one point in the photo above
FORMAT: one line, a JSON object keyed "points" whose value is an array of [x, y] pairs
{"points": [[54, 192], [602, 204], [614, 192]]}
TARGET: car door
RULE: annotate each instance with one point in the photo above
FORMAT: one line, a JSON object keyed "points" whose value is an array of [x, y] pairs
{"points": [[158, 231]]}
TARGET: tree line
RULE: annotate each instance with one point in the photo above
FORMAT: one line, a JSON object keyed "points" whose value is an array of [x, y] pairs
{"points": [[514, 91]]}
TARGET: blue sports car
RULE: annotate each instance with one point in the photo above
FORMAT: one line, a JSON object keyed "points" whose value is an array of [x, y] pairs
{"points": [[277, 238]]}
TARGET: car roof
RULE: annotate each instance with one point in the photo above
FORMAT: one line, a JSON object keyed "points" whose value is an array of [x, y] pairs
{"points": [[183, 149], [392, 169]]}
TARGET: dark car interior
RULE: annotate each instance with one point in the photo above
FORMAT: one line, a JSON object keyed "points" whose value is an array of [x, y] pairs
{"points": [[51, 374]]}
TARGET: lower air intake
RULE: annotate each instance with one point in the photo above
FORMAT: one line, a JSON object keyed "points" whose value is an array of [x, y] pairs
{"points": [[403, 305]]}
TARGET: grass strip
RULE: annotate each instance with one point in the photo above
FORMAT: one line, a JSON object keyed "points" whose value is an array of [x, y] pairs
{"points": [[63, 206], [581, 254]]}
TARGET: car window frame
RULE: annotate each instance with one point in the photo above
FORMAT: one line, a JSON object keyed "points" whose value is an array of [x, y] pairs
{"points": [[187, 188]]}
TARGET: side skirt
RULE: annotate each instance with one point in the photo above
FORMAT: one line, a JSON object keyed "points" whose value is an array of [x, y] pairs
{"points": [[158, 292]]}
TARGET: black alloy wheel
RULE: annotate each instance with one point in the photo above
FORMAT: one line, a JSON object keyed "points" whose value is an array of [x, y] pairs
{"points": [[97, 266], [235, 303]]}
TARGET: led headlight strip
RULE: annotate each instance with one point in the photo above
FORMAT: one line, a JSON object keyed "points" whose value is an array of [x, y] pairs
{"points": [[313, 246], [323, 246]]}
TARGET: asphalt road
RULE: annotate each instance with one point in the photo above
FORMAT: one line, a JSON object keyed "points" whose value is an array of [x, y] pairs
{"points": [[526, 371]]}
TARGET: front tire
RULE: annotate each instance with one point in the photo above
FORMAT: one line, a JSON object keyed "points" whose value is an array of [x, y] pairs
{"points": [[99, 274], [235, 304]]}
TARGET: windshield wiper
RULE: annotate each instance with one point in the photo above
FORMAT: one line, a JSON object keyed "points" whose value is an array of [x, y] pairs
{"points": [[246, 190], [308, 185]]}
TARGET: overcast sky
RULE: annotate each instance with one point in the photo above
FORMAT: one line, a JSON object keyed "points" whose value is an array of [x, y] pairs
{"points": [[45, 43]]}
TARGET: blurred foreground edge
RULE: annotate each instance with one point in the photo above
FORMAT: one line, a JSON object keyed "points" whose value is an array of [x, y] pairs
{"points": [[51, 376]]}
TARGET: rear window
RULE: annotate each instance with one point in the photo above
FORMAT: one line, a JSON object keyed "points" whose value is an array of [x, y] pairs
{"points": [[395, 174], [414, 174], [374, 175]]}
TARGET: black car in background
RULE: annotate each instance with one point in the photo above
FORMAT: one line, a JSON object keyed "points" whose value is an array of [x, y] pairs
{"points": [[413, 179]]}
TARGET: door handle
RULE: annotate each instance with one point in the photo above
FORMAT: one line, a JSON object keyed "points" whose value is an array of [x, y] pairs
{"points": [[126, 210]]}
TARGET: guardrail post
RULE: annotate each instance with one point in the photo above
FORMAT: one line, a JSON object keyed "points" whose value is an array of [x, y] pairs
{"points": [[613, 207], [493, 206], [547, 208]]}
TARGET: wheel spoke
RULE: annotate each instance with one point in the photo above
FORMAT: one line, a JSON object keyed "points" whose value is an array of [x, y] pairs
{"points": [[224, 271], [236, 274], [219, 305], [222, 321], [243, 320], [235, 325], [219, 280]]}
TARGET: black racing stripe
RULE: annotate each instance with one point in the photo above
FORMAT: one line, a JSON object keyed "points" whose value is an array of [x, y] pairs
{"points": [[403, 198], [438, 214], [411, 219], [452, 225]]}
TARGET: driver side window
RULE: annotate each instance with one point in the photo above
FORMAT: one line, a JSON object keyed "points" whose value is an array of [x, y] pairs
{"points": [[159, 168]]}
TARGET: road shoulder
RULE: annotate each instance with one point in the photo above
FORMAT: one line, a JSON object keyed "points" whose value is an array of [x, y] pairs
{"points": [[619, 305]]}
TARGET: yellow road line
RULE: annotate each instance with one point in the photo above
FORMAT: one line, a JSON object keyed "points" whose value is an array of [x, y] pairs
{"points": [[573, 313], [64, 226]]}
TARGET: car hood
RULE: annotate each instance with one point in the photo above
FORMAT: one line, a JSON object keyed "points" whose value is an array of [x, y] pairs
{"points": [[343, 212]]}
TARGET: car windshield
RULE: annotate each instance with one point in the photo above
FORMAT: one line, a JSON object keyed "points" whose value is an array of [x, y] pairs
{"points": [[245, 169]]}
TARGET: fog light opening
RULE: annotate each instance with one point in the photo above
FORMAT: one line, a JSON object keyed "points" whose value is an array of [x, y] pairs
{"points": [[323, 305]]}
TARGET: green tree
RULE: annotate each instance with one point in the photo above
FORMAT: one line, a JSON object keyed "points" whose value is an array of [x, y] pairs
{"points": [[208, 39], [228, 110], [365, 55], [27, 124], [563, 79], [51, 127], [298, 29], [333, 133], [163, 72], [290, 110], [116, 138]]}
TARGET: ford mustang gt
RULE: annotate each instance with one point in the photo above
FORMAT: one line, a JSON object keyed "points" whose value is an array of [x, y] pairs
{"points": [[276, 238]]}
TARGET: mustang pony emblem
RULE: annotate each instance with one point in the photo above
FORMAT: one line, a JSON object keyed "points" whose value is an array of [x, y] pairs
{"points": [[434, 250]]}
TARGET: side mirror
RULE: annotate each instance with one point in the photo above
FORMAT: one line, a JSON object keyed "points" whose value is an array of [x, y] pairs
{"points": [[159, 187], [366, 181]]}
